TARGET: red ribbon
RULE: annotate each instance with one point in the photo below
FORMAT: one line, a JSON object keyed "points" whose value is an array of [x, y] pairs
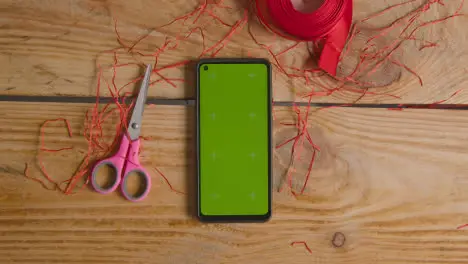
{"points": [[330, 23]]}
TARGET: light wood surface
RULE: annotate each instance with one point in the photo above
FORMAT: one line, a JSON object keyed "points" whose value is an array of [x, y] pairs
{"points": [[52, 48], [394, 183], [391, 184]]}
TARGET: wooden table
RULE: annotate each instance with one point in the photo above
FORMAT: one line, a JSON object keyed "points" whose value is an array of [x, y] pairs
{"points": [[392, 184]]}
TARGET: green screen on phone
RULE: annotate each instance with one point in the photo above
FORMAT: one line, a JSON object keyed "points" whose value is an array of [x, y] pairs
{"points": [[234, 139]]}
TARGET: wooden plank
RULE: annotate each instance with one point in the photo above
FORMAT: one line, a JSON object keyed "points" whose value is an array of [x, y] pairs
{"points": [[393, 183], [51, 48]]}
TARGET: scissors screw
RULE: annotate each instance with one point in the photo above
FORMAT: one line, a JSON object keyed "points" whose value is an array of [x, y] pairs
{"points": [[135, 126]]}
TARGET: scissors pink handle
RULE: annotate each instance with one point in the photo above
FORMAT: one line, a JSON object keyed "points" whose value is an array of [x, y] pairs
{"points": [[124, 162]]}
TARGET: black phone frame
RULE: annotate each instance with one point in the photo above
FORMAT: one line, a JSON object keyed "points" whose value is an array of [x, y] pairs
{"points": [[235, 218]]}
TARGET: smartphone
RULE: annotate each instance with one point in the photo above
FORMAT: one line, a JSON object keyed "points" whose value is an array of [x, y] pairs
{"points": [[234, 140]]}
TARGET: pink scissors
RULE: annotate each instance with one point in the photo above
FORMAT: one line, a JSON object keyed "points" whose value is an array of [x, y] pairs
{"points": [[126, 160]]}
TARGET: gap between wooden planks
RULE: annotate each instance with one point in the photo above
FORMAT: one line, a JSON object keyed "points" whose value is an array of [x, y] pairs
{"points": [[393, 182], [53, 46]]}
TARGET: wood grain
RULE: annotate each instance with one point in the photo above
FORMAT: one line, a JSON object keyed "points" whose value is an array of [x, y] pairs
{"points": [[393, 182], [52, 47]]}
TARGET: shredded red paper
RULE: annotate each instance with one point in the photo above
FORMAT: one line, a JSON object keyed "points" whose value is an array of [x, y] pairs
{"points": [[302, 243], [135, 54]]}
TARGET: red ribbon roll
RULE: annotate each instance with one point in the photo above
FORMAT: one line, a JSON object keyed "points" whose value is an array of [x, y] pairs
{"points": [[331, 23]]}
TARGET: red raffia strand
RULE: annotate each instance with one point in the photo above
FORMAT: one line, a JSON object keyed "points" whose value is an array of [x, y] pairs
{"points": [[429, 106], [406, 68], [302, 243], [44, 149], [130, 50], [56, 150], [397, 43], [451, 96], [386, 10], [221, 43], [462, 226], [314, 147], [26, 174], [429, 45], [94, 119], [309, 169], [89, 136], [298, 146], [199, 10], [416, 13], [424, 46], [99, 145], [167, 181], [382, 55], [294, 155]]}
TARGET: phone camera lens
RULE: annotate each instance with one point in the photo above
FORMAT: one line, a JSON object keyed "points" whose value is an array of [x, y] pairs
{"points": [[205, 68]]}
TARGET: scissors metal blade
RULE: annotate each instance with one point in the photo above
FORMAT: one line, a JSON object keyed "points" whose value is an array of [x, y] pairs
{"points": [[134, 126]]}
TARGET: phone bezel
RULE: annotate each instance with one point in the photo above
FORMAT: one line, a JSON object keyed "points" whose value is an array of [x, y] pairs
{"points": [[235, 218]]}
